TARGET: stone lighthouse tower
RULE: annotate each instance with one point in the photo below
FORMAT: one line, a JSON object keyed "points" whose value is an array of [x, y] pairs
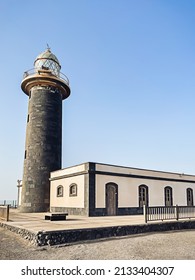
{"points": [[45, 87]]}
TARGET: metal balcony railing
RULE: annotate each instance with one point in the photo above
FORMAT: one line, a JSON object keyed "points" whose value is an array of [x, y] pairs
{"points": [[35, 71]]}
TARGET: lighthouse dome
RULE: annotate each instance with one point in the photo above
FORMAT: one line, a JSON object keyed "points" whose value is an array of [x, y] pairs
{"points": [[48, 61]]}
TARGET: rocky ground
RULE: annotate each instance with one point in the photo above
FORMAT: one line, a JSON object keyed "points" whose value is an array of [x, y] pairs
{"points": [[177, 245]]}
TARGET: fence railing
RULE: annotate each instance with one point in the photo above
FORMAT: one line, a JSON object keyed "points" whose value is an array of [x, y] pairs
{"points": [[11, 203], [161, 213]]}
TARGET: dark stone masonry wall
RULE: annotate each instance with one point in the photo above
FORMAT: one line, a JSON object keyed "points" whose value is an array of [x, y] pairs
{"points": [[26, 234], [69, 236], [70, 211], [43, 147], [120, 211]]}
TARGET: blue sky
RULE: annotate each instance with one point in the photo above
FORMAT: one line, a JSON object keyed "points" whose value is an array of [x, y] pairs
{"points": [[131, 66]]}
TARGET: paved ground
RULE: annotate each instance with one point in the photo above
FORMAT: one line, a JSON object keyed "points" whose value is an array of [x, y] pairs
{"points": [[178, 245], [35, 221], [166, 245]]}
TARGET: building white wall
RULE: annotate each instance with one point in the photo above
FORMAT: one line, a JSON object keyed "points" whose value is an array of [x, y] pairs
{"points": [[66, 200], [128, 195], [143, 172], [68, 171]]}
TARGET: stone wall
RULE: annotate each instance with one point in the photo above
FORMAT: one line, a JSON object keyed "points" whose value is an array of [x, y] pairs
{"points": [[44, 238], [77, 235], [70, 211], [42, 149], [26, 234]]}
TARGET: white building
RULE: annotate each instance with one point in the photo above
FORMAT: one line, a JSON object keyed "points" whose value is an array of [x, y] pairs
{"points": [[95, 189]]}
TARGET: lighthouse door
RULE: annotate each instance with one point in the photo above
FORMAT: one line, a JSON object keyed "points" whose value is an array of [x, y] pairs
{"points": [[111, 199]]}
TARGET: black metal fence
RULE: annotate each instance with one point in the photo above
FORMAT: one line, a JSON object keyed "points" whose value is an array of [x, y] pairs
{"points": [[161, 213], [11, 203]]}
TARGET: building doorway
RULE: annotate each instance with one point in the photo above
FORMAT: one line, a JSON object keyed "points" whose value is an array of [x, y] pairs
{"points": [[111, 199]]}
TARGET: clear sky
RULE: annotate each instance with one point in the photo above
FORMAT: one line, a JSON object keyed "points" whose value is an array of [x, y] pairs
{"points": [[131, 66]]}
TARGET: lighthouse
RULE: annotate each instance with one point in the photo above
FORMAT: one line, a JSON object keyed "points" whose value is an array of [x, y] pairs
{"points": [[46, 88]]}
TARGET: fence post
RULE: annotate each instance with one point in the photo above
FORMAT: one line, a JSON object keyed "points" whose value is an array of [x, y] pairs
{"points": [[145, 213], [7, 214], [177, 212]]}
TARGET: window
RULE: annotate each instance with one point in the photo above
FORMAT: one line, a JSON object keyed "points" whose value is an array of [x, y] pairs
{"points": [[190, 201], [73, 190], [168, 196], [143, 195], [59, 191], [25, 154], [27, 118]]}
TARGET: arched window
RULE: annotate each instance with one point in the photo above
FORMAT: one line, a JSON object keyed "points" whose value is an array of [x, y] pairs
{"points": [[73, 190], [168, 196], [60, 191], [143, 195], [189, 194]]}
